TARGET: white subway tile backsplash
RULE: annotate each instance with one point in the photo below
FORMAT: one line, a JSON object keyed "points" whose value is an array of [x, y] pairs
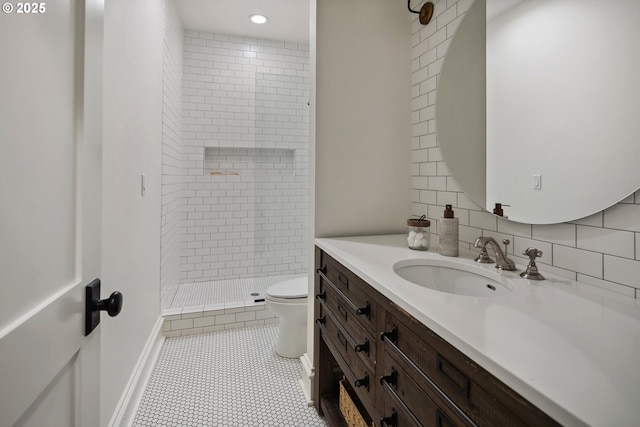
{"points": [[437, 182], [468, 234], [430, 84], [623, 216], [613, 242], [446, 198], [623, 271], [562, 272], [437, 38], [514, 228], [595, 220], [446, 17], [428, 57], [562, 234], [465, 202], [578, 260], [483, 220]]}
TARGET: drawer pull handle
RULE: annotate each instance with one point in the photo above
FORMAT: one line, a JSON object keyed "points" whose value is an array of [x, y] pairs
{"points": [[343, 280], [364, 310], [391, 421], [362, 347], [322, 295], [362, 382], [390, 379], [391, 336], [322, 269], [442, 420], [403, 406], [321, 320], [455, 378]]}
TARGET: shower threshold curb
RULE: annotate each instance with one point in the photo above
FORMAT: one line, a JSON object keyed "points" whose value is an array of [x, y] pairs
{"points": [[216, 317]]}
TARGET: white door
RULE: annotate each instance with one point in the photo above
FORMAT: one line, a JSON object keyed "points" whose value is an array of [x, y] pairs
{"points": [[50, 178]]}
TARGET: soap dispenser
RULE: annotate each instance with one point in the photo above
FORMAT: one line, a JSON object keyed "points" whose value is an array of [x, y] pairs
{"points": [[448, 231]]}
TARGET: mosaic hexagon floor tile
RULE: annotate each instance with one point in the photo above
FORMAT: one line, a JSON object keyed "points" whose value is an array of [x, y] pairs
{"points": [[225, 379]]}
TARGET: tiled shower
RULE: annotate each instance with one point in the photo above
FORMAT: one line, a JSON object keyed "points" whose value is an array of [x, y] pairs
{"points": [[235, 173]]}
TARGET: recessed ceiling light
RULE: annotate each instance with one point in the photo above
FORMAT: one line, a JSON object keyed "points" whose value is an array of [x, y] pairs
{"points": [[258, 19]]}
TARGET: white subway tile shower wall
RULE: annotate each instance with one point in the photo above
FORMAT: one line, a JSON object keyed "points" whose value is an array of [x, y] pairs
{"points": [[246, 157], [248, 161], [171, 155], [602, 250]]}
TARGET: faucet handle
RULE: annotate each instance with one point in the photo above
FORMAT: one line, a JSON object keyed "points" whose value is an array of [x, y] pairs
{"points": [[532, 253], [506, 243], [531, 272]]}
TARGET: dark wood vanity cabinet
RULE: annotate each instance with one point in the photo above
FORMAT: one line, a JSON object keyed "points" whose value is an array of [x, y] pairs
{"points": [[402, 372]]}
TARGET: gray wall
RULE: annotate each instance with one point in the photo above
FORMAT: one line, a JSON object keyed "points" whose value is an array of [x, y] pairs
{"points": [[362, 117]]}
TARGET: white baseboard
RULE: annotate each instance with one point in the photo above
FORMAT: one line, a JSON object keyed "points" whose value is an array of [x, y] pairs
{"points": [[306, 381], [127, 406]]}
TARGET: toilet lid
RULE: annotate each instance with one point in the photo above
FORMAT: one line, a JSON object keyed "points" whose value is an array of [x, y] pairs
{"points": [[292, 288]]}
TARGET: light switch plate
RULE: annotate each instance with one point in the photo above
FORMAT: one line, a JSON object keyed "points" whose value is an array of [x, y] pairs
{"points": [[537, 181]]}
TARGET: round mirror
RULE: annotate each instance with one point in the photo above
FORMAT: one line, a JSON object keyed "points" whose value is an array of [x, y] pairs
{"points": [[538, 106]]}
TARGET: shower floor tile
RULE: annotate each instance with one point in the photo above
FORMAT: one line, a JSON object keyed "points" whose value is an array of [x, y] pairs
{"points": [[227, 378]]}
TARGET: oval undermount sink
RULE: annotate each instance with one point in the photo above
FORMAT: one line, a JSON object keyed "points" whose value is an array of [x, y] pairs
{"points": [[450, 277]]}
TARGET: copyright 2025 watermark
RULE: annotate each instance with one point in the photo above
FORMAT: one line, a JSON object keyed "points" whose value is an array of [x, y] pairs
{"points": [[24, 8]]}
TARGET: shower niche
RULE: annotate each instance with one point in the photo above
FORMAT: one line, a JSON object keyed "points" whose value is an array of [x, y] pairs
{"points": [[231, 161]]}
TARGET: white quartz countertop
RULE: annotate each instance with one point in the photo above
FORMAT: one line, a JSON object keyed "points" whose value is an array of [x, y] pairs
{"points": [[570, 349]]}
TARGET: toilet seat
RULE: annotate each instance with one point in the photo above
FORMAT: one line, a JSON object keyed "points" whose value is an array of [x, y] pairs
{"points": [[288, 291]]}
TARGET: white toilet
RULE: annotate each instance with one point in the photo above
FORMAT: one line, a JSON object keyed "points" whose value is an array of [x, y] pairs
{"points": [[288, 300]]}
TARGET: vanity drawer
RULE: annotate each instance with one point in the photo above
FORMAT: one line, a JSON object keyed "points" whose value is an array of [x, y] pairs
{"points": [[394, 417], [413, 405], [433, 363], [336, 304], [359, 374], [355, 291]]}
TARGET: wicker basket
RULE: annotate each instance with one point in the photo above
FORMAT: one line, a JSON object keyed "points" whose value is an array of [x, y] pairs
{"points": [[350, 407]]}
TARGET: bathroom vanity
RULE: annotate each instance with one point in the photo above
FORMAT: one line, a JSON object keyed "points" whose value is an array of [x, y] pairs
{"points": [[543, 354]]}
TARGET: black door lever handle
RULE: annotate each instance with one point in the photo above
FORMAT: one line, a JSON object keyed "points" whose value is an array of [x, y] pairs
{"points": [[94, 305]]}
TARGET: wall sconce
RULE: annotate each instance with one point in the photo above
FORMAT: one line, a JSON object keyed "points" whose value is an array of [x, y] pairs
{"points": [[425, 12]]}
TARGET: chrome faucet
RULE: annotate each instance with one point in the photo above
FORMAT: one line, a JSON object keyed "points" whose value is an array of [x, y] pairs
{"points": [[502, 261]]}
